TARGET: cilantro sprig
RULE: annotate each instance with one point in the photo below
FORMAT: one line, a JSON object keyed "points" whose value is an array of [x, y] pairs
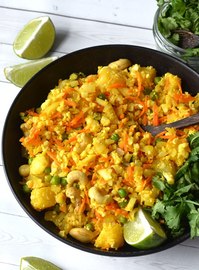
{"points": [[179, 205], [179, 14]]}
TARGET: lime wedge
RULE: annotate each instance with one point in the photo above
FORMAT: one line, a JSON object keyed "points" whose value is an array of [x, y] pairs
{"points": [[144, 232], [35, 39], [35, 263], [20, 74]]}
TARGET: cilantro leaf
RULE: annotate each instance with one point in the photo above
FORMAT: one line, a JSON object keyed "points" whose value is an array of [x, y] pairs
{"points": [[194, 222], [179, 14], [173, 215]]}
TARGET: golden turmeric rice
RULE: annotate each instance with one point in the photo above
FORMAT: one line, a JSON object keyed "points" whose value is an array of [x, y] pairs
{"points": [[90, 164]]}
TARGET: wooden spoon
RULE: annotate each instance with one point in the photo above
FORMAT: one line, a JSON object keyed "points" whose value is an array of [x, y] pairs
{"points": [[187, 39], [185, 122]]}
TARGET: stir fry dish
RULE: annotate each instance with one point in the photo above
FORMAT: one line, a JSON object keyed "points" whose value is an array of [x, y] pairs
{"points": [[90, 166]]}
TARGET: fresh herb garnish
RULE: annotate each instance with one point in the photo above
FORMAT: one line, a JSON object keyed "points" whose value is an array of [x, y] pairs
{"points": [[179, 14], [179, 205]]}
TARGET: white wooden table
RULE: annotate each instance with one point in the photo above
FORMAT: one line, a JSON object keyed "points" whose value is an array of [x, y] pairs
{"points": [[79, 24]]}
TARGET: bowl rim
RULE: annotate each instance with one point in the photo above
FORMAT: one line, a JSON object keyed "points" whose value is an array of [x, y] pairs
{"points": [[78, 245]]}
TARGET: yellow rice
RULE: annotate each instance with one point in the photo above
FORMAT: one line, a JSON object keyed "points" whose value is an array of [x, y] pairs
{"points": [[90, 126]]}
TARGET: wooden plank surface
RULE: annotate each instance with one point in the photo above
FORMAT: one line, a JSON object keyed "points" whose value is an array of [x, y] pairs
{"points": [[79, 24]]}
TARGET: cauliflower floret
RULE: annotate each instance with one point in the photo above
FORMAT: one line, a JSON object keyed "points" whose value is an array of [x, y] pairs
{"points": [[42, 198], [38, 165], [111, 236]]}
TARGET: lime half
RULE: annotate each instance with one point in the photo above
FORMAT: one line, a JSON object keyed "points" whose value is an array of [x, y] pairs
{"points": [[35, 263], [143, 232], [35, 39], [20, 74]]}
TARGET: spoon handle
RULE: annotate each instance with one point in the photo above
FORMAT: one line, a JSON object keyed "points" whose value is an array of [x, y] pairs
{"points": [[185, 122], [188, 121]]}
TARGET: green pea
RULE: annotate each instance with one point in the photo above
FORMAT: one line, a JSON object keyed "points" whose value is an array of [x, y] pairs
{"points": [[22, 116], [57, 208], [154, 95], [102, 96], [47, 178], [26, 189], [115, 137], [122, 192], [147, 91], [97, 116], [158, 140], [73, 77], [63, 181], [157, 79], [131, 159], [30, 160], [64, 136], [123, 204], [55, 180], [122, 219], [47, 170], [89, 226]]}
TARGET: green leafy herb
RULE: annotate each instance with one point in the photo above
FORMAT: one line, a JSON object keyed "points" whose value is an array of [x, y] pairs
{"points": [[179, 14], [179, 205]]}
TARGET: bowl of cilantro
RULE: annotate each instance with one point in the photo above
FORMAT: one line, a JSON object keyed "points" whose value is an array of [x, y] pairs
{"points": [[170, 17]]}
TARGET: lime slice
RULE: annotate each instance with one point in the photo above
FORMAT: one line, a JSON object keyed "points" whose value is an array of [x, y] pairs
{"points": [[35, 263], [20, 74], [35, 39], [143, 232]]}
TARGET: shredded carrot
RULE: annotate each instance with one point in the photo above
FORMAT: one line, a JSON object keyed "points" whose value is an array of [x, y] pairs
{"points": [[82, 205], [166, 84], [31, 112], [62, 208], [144, 109], [165, 135], [34, 138], [55, 115], [91, 78], [123, 122], [53, 156], [97, 215], [111, 206], [77, 120], [117, 85], [58, 143], [70, 103], [139, 81], [121, 116], [146, 165], [72, 139], [183, 98], [121, 212], [129, 180], [146, 182], [124, 143]]}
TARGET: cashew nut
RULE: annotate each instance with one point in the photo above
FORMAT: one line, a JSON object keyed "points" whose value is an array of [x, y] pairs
{"points": [[83, 140], [77, 176], [24, 170], [120, 64], [72, 193], [83, 235], [95, 194]]}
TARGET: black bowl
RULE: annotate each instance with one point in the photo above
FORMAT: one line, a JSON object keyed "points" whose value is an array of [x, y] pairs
{"points": [[35, 92]]}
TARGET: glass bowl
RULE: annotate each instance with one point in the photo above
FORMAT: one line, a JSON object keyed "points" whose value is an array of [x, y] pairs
{"points": [[166, 46]]}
